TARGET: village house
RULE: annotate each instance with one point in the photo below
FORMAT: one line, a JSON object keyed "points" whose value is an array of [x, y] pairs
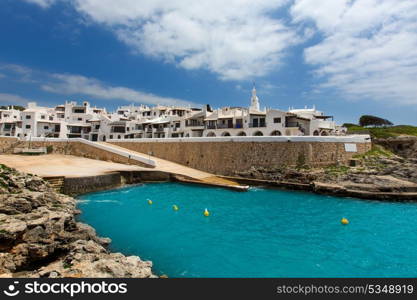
{"points": [[73, 120]]}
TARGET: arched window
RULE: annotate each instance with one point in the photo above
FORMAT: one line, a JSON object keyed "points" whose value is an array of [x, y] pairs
{"points": [[276, 132], [258, 133]]}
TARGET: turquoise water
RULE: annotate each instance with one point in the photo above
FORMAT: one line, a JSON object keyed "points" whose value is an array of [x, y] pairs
{"points": [[260, 233]]}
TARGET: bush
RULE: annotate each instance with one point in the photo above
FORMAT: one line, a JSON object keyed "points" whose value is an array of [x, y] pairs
{"points": [[49, 149]]}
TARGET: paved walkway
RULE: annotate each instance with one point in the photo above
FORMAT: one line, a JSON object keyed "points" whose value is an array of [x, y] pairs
{"points": [[73, 166], [63, 165]]}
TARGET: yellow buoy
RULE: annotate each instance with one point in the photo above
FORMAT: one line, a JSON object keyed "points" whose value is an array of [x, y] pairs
{"points": [[206, 213], [150, 201], [344, 221], [174, 207]]}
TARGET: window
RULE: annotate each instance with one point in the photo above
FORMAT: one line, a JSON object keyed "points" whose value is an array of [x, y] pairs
{"points": [[111, 136], [277, 120], [97, 126], [43, 117], [80, 119], [27, 126], [46, 127], [28, 117]]}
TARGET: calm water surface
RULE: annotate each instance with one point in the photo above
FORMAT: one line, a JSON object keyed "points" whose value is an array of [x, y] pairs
{"points": [[260, 233]]}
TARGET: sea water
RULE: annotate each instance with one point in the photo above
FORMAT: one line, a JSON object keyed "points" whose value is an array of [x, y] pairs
{"points": [[259, 233]]}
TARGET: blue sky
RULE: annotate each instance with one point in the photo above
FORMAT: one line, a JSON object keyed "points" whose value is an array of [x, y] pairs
{"points": [[346, 57]]}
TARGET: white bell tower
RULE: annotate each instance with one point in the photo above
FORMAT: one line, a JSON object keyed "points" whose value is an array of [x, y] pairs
{"points": [[254, 102]]}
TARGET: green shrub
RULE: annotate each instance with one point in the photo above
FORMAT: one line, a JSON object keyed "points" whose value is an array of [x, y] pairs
{"points": [[49, 149]]}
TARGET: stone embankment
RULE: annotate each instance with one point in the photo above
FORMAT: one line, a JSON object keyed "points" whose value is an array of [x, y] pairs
{"points": [[378, 174], [39, 236]]}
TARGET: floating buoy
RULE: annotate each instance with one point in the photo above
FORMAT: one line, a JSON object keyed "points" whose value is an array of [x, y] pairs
{"points": [[344, 221], [206, 213], [174, 207], [150, 201]]}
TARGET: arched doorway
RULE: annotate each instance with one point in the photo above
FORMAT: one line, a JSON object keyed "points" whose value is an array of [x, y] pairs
{"points": [[276, 133], [242, 133], [324, 133], [225, 133], [211, 134], [316, 133], [258, 133]]}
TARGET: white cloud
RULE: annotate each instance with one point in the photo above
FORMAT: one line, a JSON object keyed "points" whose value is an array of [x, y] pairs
{"points": [[12, 99], [368, 49], [68, 84], [74, 85], [42, 3], [237, 39]]}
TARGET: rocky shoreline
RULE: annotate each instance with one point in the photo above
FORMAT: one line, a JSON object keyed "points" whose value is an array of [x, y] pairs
{"points": [[39, 236], [379, 174]]}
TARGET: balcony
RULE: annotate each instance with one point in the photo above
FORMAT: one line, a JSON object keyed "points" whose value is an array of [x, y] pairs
{"points": [[257, 125], [292, 124], [223, 126], [195, 125]]}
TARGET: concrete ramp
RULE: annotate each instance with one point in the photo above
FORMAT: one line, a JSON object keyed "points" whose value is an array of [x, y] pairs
{"points": [[185, 174]]}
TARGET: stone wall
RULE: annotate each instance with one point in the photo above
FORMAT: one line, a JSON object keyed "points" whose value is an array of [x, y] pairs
{"points": [[6, 144], [82, 185], [226, 158]]}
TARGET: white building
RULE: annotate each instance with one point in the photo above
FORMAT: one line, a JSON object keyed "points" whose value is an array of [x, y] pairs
{"points": [[73, 120]]}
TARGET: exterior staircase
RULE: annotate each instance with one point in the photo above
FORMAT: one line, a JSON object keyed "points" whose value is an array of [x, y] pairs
{"points": [[56, 182]]}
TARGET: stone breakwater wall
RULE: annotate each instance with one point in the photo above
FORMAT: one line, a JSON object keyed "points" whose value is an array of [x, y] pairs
{"points": [[88, 184], [226, 156], [81, 185]]}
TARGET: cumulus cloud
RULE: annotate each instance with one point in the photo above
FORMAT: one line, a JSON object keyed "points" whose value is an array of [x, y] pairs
{"points": [[368, 47], [365, 48], [237, 39], [75, 84], [68, 84], [12, 99]]}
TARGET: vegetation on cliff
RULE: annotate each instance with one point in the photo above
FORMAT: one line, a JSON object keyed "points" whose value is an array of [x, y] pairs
{"points": [[383, 132]]}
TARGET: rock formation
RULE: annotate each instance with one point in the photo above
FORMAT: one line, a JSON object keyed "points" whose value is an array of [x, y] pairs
{"points": [[378, 174], [39, 236]]}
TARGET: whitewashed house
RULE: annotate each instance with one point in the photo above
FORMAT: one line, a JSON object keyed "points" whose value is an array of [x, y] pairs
{"points": [[73, 120]]}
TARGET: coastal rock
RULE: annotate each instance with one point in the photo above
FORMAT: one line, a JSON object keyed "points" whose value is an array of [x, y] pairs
{"points": [[39, 236], [377, 176]]}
